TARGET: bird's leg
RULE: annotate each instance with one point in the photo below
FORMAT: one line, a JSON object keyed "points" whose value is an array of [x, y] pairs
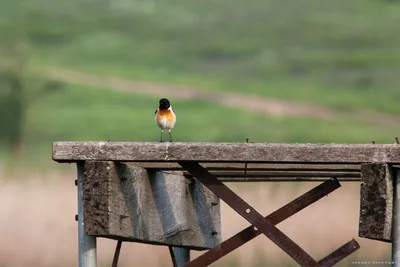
{"points": [[170, 136], [161, 136]]}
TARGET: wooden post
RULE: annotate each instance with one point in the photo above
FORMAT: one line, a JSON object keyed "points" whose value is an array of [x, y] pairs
{"points": [[87, 244]]}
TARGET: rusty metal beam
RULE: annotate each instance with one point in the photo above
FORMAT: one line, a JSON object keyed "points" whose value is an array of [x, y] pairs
{"points": [[230, 166], [250, 214], [116, 254], [276, 217], [278, 173], [339, 254], [286, 179], [172, 254]]}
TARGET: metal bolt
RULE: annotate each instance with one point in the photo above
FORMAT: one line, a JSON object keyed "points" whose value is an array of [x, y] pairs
{"points": [[189, 179]]}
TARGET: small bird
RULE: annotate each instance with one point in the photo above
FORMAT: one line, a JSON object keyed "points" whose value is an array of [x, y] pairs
{"points": [[165, 117]]}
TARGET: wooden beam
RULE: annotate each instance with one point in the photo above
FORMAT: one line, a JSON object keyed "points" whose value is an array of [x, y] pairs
{"points": [[128, 203], [225, 152], [376, 203]]}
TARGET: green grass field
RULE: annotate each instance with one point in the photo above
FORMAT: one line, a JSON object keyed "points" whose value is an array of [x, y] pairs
{"points": [[344, 55], [82, 113]]}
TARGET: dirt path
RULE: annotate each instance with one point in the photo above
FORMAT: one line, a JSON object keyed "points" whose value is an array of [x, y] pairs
{"points": [[230, 99]]}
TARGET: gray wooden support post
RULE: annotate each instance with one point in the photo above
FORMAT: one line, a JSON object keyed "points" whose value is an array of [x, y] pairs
{"points": [[87, 244], [396, 219], [182, 256]]}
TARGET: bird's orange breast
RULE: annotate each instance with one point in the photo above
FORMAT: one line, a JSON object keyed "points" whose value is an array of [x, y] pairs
{"points": [[165, 119], [166, 114]]}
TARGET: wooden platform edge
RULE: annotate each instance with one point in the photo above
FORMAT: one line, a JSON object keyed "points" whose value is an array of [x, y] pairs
{"points": [[225, 152]]}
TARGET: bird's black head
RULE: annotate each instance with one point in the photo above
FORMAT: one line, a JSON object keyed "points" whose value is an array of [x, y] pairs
{"points": [[164, 104]]}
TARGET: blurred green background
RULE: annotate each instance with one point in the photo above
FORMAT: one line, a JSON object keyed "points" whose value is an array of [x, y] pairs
{"points": [[269, 70], [340, 57]]}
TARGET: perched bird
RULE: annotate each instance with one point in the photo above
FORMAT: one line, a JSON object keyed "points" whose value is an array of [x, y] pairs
{"points": [[165, 117]]}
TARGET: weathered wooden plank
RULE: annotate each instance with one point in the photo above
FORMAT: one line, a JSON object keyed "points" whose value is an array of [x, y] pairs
{"points": [[376, 203], [226, 152], [129, 203]]}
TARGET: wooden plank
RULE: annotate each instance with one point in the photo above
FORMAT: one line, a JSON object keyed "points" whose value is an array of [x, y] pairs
{"points": [[226, 152], [129, 203], [376, 203]]}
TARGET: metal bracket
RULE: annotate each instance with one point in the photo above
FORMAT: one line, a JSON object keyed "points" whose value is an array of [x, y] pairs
{"points": [[171, 252], [264, 225]]}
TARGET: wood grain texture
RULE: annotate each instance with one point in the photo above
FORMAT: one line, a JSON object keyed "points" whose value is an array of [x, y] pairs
{"points": [[376, 202], [129, 203], [225, 152]]}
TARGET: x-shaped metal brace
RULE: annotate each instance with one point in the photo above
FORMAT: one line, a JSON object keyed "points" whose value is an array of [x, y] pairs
{"points": [[265, 225]]}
